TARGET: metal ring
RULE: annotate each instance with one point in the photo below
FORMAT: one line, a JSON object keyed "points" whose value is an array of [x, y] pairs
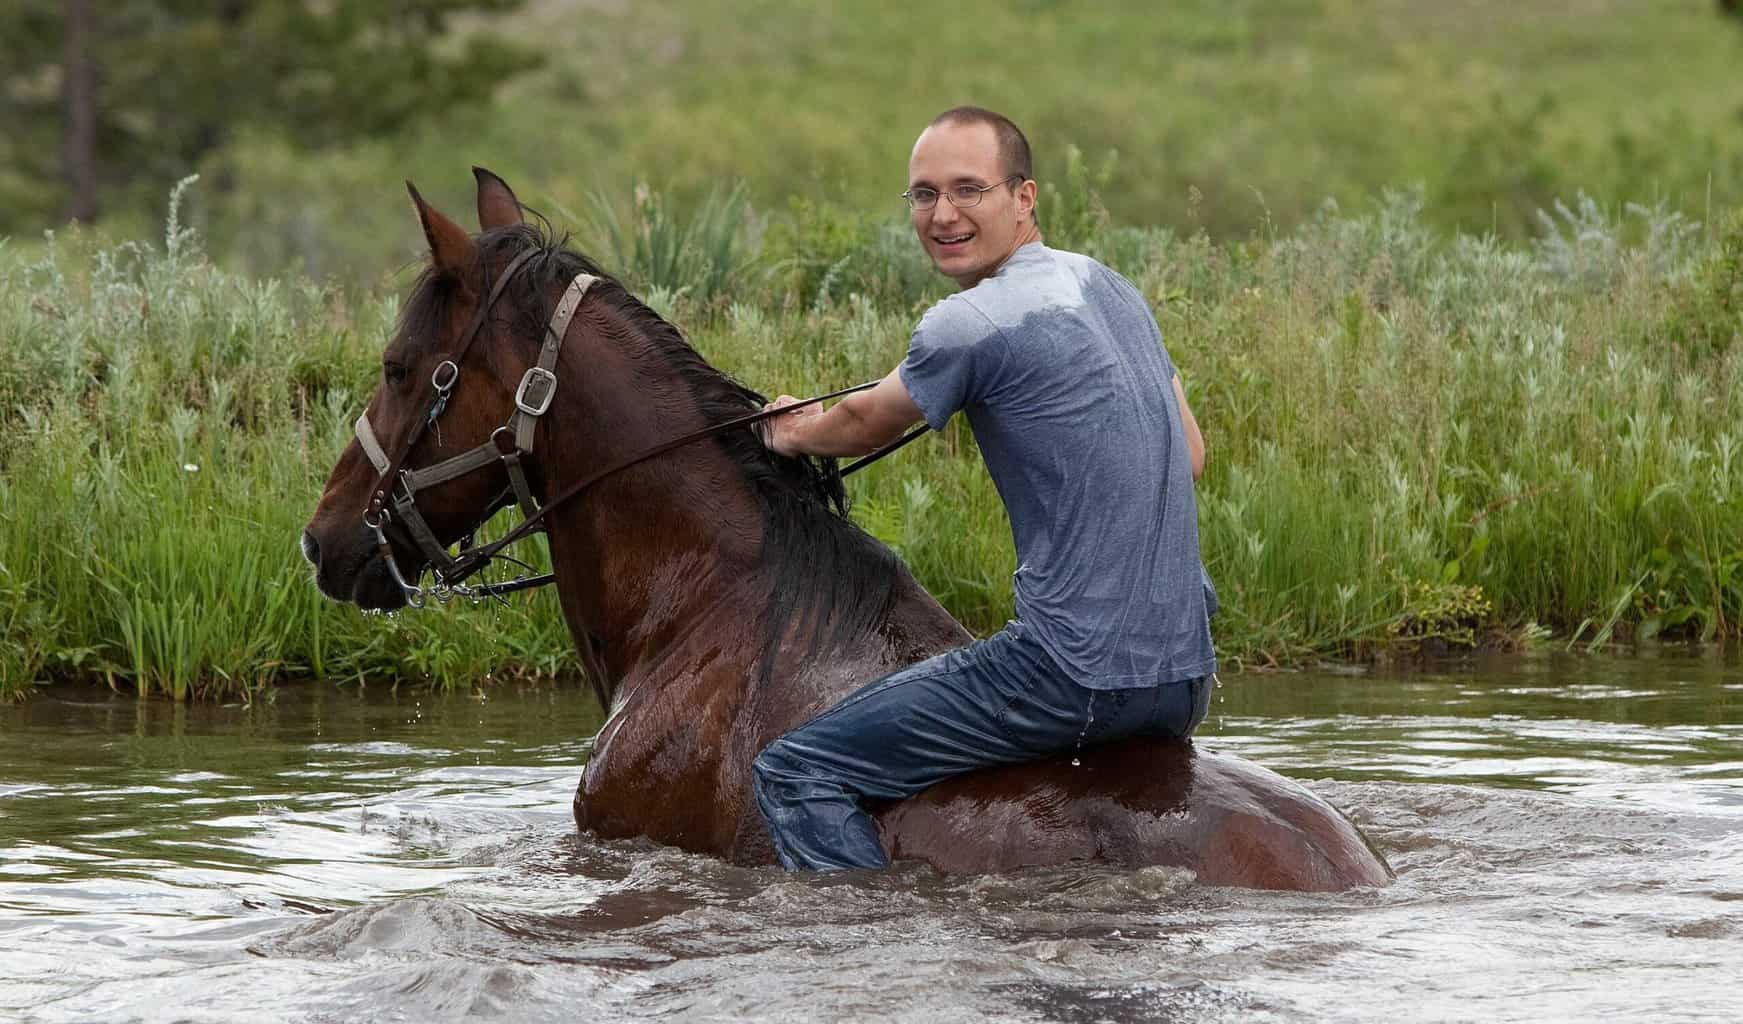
{"points": [[453, 375], [380, 520]]}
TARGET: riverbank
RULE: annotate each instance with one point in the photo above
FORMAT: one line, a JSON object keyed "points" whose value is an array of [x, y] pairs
{"points": [[1413, 437]]}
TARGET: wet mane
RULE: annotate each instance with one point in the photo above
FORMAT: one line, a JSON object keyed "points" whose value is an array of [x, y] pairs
{"points": [[828, 577]]}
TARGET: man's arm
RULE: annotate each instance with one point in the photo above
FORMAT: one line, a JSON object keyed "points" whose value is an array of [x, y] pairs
{"points": [[1194, 439], [857, 425]]}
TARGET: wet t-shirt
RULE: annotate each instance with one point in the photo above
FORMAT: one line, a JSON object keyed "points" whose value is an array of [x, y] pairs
{"points": [[1060, 369]]}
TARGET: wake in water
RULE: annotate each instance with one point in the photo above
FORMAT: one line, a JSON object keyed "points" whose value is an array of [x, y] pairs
{"points": [[1510, 905]]}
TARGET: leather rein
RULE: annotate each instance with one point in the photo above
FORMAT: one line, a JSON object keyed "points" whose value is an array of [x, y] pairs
{"points": [[393, 497]]}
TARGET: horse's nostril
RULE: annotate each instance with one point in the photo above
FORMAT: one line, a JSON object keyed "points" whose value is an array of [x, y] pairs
{"points": [[311, 549]]}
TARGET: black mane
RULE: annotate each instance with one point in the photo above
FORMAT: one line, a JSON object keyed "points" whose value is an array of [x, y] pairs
{"points": [[828, 573]]}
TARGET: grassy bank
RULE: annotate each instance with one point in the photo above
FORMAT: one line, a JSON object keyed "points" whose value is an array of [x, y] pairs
{"points": [[1227, 115], [1413, 435]]}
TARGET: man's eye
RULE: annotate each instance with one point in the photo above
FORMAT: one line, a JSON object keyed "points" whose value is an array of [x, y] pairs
{"points": [[925, 195], [966, 192]]}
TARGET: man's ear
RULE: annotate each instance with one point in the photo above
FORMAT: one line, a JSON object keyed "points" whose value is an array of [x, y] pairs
{"points": [[451, 248], [1026, 194], [497, 206]]}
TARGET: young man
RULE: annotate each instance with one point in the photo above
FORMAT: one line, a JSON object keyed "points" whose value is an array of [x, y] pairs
{"points": [[1059, 366]]}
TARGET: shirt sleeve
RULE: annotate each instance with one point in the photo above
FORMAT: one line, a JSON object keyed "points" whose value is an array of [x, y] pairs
{"points": [[953, 361]]}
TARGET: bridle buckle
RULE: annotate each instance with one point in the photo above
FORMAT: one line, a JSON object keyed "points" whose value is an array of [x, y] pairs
{"points": [[537, 387]]}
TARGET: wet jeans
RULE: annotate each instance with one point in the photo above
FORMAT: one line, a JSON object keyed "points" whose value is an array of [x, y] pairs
{"points": [[997, 701]]}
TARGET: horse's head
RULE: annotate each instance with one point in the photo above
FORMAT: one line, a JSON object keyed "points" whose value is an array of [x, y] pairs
{"points": [[442, 392]]}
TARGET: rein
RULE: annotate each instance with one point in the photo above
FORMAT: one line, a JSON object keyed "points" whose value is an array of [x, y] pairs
{"points": [[394, 494]]}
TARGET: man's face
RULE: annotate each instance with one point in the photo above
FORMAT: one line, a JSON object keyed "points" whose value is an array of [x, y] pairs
{"points": [[967, 245]]}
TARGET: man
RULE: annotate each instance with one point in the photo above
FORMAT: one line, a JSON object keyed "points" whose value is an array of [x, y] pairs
{"points": [[1084, 427]]}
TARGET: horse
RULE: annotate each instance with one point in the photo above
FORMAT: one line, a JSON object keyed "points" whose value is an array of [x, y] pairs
{"points": [[720, 594]]}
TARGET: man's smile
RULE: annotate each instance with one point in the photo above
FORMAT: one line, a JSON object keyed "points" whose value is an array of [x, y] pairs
{"points": [[953, 241]]}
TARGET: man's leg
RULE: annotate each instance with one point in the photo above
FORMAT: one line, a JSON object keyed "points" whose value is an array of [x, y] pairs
{"points": [[944, 716], [997, 701]]}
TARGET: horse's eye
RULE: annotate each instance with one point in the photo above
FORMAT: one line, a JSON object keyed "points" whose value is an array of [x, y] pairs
{"points": [[395, 373]]}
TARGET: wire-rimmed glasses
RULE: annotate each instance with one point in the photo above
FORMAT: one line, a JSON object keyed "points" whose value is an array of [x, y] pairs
{"points": [[962, 196]]}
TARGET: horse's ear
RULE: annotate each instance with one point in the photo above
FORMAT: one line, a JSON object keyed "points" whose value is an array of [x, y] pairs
{"points": [[497, 206], [451, 248]]}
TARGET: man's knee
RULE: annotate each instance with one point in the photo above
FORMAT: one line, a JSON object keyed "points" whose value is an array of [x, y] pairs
{"points": [[777, 767]]}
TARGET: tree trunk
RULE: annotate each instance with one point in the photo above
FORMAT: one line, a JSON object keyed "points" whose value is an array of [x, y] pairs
{"points": [[79, 113]]}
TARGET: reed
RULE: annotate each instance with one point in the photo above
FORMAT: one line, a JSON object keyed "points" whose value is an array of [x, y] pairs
{"points": [[1415, 439]]}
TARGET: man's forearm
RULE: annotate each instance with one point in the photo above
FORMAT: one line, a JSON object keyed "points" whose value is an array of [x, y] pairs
{"points": [[857, 425], [841, 431]]}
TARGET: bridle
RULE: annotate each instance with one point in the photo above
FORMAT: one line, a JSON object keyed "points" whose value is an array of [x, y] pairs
{"points": [[393, 497]]}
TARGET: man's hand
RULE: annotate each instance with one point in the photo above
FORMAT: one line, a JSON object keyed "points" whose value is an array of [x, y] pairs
{"points": [[779, 432]]}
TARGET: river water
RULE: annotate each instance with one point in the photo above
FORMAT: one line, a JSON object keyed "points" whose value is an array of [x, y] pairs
{"points": [[1567, 832]]}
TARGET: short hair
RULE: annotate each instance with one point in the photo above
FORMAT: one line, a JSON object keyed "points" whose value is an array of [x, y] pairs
{"points": [[1013, 146]]}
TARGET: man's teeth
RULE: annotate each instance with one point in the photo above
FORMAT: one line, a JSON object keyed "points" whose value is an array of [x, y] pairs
{"points": [[953, 239]]}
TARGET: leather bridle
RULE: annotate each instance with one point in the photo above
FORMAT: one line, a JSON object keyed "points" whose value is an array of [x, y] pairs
{"points": [[393, 497]]}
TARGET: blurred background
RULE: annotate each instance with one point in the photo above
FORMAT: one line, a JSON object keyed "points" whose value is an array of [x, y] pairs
{"points": [[1226, 116]]}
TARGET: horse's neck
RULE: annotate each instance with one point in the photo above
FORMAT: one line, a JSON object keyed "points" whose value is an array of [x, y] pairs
{"points": [[646, 555]]}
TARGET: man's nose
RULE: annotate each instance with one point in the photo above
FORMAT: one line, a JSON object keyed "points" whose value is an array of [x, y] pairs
{"points": [[945, 211]]}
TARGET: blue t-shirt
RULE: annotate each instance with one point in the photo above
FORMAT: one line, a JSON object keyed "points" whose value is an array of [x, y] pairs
{"points": [[1061, 370]]}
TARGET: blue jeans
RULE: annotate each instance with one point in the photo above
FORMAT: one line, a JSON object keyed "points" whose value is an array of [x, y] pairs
{"points": [[998, 701]]}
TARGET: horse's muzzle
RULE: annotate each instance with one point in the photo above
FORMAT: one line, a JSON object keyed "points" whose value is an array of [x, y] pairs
{"points": [[350, 568]]}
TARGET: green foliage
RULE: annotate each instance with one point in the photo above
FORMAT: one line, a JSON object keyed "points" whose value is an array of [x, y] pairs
{"points": [[700, 254], [1499, 169], [1416, 440], [1706, 315], [177, 80], [821, 255], [1441, 610], [1070, 212], [1685, 591], [1231, 118]]}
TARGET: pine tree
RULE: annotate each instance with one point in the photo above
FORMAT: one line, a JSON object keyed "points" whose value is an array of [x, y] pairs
{"points": [[105, 100]]}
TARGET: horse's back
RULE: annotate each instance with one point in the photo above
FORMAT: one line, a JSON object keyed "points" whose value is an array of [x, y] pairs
{"points": [[1136, 803]]}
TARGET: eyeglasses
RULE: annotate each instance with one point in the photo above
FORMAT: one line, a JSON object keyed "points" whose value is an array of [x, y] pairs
{"points": [[961, 196]]}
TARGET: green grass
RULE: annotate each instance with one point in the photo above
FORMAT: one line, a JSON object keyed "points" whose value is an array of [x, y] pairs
{"points": [[1230, 116], [1414, 436]]}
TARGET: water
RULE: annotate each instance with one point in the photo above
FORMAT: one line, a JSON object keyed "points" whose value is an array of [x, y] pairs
{"points": [[1568, 835]]}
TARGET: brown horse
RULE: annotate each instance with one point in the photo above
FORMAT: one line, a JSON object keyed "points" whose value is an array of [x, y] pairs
{"points": [[719, 595]]}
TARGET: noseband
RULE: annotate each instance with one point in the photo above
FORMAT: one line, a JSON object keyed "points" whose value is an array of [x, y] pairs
{"points": [[394, 494]]}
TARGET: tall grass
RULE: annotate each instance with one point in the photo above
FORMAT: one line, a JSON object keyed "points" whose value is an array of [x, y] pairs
{"points": [[1413, 437]]}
